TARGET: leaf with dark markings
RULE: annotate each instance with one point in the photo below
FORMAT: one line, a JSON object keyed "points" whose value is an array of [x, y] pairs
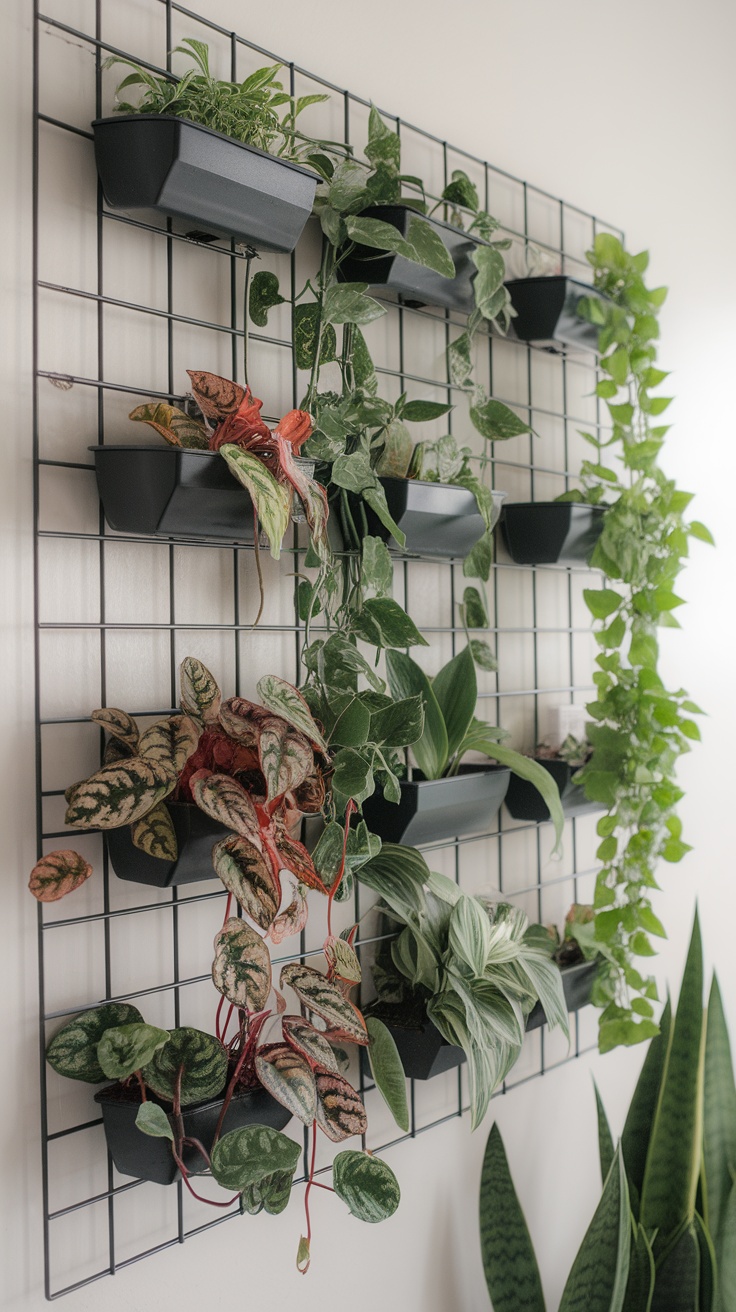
{"points": [[247, 874], [599, 1274], [119, 794], [292, 919], [283, 699], [308, 1041], [255, 1152], [217, 397], [340, 1111], [271, 498], [241, 970], [295, 857], [57, 874], [73, 1050], [170, 742], [124, 1049], [325, 1000], [263, 295], [119, 724], [174, 425], [155, 834], [204, 1063], [342, 960], [223, 799], [241, 719], [200, 695], [289, 1079], [287, 757], [510, 1266], [367, 1184]]}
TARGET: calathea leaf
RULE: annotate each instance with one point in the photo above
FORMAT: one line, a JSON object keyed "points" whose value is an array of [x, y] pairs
{"points": [[126, 1048], [340, 1111], [306, 335], [289, 1078], [283, 699], [388, 1071], [292, 919], [263, 295], [309, 1043], [204, 1062], [200, 695], [366, 1184], [325, 1000], [255, 1152], [152, 1119], [286, 756], [170, 742], [272, 500], [223, 799], [241, 970], [383, 623], [247, 874], [155, 834], [57, 874], [73, 1051], [118, 794], [176, 426], [119, 724]]}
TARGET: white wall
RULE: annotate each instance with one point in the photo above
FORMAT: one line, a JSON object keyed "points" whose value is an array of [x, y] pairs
{"points": [[628, 111]]}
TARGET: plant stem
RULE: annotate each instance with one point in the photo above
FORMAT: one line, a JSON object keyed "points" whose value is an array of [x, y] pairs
{"points": [[310, 1182], [246, 298], [323, 278]]}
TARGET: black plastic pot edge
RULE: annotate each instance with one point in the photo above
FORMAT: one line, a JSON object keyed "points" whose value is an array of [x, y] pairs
{"points": [[438, 519], [434, 809], [547, 314], [577, 984], [523, 802], [424, 1052], [196, 835], [551, 532]]}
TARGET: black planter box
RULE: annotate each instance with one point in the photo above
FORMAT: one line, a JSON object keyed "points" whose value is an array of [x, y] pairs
{"points": [[577, 983], [173, 492], [525, 803], [551, 532], [433, 809], [439, 519], [417, 285], [196, 835], [424, 1052], [547, 311], [217, 184], [149, 1158]]}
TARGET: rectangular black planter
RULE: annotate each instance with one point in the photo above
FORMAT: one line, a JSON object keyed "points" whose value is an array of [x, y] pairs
{"points": [[547, 311], [551, 532], [433, 809], [525, 803], [196, 835], [439, 519], [424, 1052], [148, 1158], [577, 984], [173, 492], [417, 285], [217, 184]]}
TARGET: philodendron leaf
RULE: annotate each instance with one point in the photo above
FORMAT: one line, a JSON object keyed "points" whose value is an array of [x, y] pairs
{"points": [[325, 1000], [73, 1051], [204, 1063], [388, 1071], [58, 873], [241, 970], [340, 1111], [118, 794], [170, 742], [127, 1048], [155, 834], [152, 1119], [247, 874], [272, 500], [383, 623], [174, 425], [289, 1078], [476, 613], [509, 1263], [263, 295], [399, 724], [348, 303], [429, 248], [223, 799], [306, 335], [283, 699], [200, 695], [309, 1043], [597, 1281], [243, 1157], [287, 757], [494, 420], [119, 724], [377, 571], [366, 1184]]}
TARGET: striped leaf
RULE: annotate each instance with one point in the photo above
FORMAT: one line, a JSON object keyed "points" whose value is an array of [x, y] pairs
{"points": [[283, 699], [155, 834], [170, 742], [271, 499], [174, 425], [640, 1285], [294, 856], [200, 695], [289, 1078], [719, 1122], [115, 750], [119, 724], [241, 970], [153, 1120], [388, 1071], [204, 1062], [240, 719], [126, 1048], [325, 1000], [247, 874], [342, 959], [726, 1257], [640, 1117], [287, 758], [510, 1267], [677, 1279], [73, 1051], [58, 873], [469, 936], [216, 397], [605, 1141], [340, 1111], [292, 919], [118, 794], [309, 1043], [271, 1194], [366, 1184], [223, 798], [597, 1281], [255, 1152], [708, 1278], [312, 496]]}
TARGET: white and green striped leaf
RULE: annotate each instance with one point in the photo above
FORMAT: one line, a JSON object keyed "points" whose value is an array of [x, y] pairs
{"points": [[118, 794], [200, 695], [340, 1110], [325, 1000], [155, 834], [283, 699], [289, 1079], [367, 1184], [124, 1049], [272, 500], [223, 799], [469, 936], [241, 970], [247, 874], [73, 1051], [170, 742], [204, 1063]]}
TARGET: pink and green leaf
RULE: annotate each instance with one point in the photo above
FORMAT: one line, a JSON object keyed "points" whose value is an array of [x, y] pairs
{"points": [[246, 874], [309, 1043], [283, 699], [170, 742], [289, 1079], [174, 425], [340, 1110], [287, 757], [200, 695], [155, 834], [272, 500], [57, 874], [119, 724], [241, 970], [325, 1000], [223, 799], [118, 794]]}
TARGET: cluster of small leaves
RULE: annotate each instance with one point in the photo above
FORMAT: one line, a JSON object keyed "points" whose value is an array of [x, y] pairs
{"points": [[639, 727]]}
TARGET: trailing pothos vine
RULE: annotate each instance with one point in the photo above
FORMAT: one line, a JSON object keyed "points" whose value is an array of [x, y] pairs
{"points": [[639, 727]]}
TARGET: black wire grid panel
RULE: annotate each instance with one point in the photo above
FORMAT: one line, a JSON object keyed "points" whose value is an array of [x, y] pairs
{"points": [[122, 307]]}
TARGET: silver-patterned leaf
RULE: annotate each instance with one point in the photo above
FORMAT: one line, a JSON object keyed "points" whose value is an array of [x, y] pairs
{"points": [[73, 1051], [241, 970], [200, 695], [289, 1079], [342, 959], [287, 757], [247, 874], [283, 699], [170, 742], [155, 834], [308, 1041], [240, 719], [325, 1000], [57, 874], [193, 1059], [119, 724], [118, 794], [292, 919], [222, 798], [340, 1111]]}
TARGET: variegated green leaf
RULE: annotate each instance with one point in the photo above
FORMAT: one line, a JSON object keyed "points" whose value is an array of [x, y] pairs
{"points": [[177, 427], [719, 1125], [289, 1078], [366, 1184], [340, 1111], [119, 724], [241, 718], [509, 1262], [152, 1119], [283, 699], [255, 1152], [469, 936], [58, 873], [272, 500], [287, 757], [247, 874], [597, 1281], [308, 1041], [242, 966], [204, 1063], [126, 1048], [73, 1051], [292, 919], [118, 794], [200, 695], [222, 797], [155, 834], [170, 742], [325, 1000], [271, 1194], [342, 960]]}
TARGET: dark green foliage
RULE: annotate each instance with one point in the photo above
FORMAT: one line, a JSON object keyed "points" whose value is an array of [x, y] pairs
{"points": [[511, 1270]]}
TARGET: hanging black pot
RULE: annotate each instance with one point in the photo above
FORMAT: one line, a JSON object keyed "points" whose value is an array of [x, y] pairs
{"points": [[551, 532], [196, 835], [433, 809], [416, 284], [149, 1158], [577, 984], [547, 311], [216, 184], [438, 519], [525, 803], [424, 1052]]}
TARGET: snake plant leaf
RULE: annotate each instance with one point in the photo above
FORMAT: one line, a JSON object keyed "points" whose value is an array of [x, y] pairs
{"points": [[719, 1121], [125, 1049], [154, 833], [509, 1263], [73, 1050], [174, 425], [642, 1275], [58, 873], [708, 1280], [673, 1160], [456, 690], [366, 1184], [283, 699], [605, 1141], [241, 970], [270, 1194], [119, 724], [271, 499], [118, 794], [309, 1043], [725, 1300], [677, 1279], [387, 1071], [289, 1079], [200, 1057], [223, 799], [200, 696], [287, 757], [342, 960], [325, 1000], [152, 1119], [597, 1281], [640, 1118], [255, 1152], [170, 742], [406, 679], [340, 1110], [247, 874]]}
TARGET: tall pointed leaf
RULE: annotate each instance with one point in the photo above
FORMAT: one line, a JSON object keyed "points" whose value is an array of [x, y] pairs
{"points": [[597, 1281], [509, 1263], [247, 874], [640, 1118], [340, 1111], [388, 1071], [640, 1285], [200, 695], [677, 1280], [241, 970], [726, 1257], [708, 1279], [406, 679], [283, 699], [719, 1118], [289, 1079], [605, 1141], [272, 500], [456, 690]]}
